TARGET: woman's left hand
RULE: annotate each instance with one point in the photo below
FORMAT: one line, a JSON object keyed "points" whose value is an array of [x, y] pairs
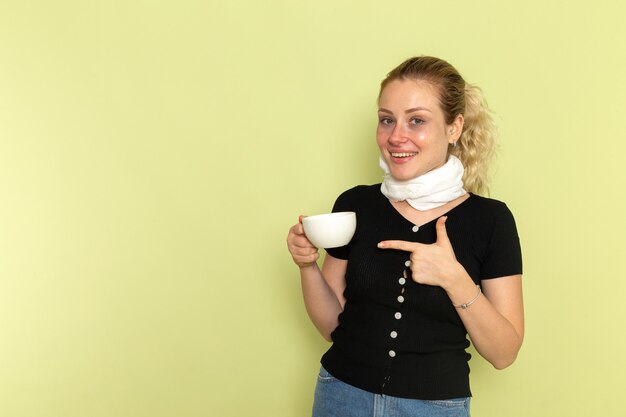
{"points": [[433, 264]]}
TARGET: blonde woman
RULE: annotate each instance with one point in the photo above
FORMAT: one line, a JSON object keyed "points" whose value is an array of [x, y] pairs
{"points": [[431, 263]]}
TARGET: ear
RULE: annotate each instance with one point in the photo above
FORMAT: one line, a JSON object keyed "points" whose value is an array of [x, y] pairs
{"points": [[455, 128]]}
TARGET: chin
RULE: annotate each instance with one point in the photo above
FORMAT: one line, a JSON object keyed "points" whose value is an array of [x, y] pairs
{"points": [[404, 175]]}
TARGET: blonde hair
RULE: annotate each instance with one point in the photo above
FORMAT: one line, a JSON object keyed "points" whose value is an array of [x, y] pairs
{"points": [[476, 145]]}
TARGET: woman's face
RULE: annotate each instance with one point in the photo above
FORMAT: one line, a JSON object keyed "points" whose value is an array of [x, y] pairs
{"points": [[412, 134]]}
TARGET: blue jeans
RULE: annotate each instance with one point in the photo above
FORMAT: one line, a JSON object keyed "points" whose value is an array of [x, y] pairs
{"points": [[334, 398]]}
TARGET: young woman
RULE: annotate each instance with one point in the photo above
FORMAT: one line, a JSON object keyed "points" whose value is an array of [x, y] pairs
{"points": [[431, 261]]}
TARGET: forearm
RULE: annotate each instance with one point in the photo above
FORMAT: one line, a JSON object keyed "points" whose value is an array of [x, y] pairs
{"points": [[321, 302], [496, 337]]}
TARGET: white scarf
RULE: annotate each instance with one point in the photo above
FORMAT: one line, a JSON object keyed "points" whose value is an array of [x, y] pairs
{"points": [[428, 191]]}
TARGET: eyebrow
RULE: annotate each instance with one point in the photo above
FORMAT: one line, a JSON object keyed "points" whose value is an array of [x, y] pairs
{"points": [[411, 110]]}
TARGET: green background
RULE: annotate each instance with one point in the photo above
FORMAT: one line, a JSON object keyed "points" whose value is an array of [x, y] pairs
{"points": [[153, 155]]}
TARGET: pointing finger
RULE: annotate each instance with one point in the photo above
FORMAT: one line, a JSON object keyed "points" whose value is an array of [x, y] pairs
{"points": [[399, 245]]}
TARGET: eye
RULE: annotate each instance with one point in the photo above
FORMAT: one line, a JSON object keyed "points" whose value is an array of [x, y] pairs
{"points": [[384, 120], [416, 121]]}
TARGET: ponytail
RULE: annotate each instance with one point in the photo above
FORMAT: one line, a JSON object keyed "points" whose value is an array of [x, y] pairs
{"points": [[477, 144]]}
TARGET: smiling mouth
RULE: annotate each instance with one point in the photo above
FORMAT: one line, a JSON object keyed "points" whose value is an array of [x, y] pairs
{"points": [[402, 154]]}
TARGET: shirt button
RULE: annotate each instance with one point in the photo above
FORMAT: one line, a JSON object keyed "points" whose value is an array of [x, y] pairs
{"points": [[415, 228], [398, 315], [392, 353], [407, 263], [402, 281], [393, 334], [400, 299]]}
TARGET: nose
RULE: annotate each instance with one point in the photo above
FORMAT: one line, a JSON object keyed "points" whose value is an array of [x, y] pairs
{"points": [[398, 135]]}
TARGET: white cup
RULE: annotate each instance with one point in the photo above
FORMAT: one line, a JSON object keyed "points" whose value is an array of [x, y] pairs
{"points": [[330, 230]]}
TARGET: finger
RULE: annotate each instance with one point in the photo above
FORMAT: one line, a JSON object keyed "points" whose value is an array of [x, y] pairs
{"points": [[296, 242], [301, 248], [399, 245], [300, 217], [302, 257], [301, 241], [306, 256], [306, 261], [297, 229], [442, 232]]}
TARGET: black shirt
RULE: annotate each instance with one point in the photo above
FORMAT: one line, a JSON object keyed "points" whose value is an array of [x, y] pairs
{"points": [[395, 336]]}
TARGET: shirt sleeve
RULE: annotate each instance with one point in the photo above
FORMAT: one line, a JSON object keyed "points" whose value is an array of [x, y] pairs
{"points": [[341, 204], [504, 253]]}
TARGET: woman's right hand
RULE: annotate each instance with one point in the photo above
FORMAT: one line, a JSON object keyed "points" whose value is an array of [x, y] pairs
{"points": [[302, 250]]}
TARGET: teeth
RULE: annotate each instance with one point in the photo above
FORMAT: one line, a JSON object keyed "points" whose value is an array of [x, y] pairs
{"points": [[403, 154]]}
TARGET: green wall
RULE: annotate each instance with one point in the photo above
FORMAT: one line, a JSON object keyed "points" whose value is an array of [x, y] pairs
{"points": [[153, 155]]}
